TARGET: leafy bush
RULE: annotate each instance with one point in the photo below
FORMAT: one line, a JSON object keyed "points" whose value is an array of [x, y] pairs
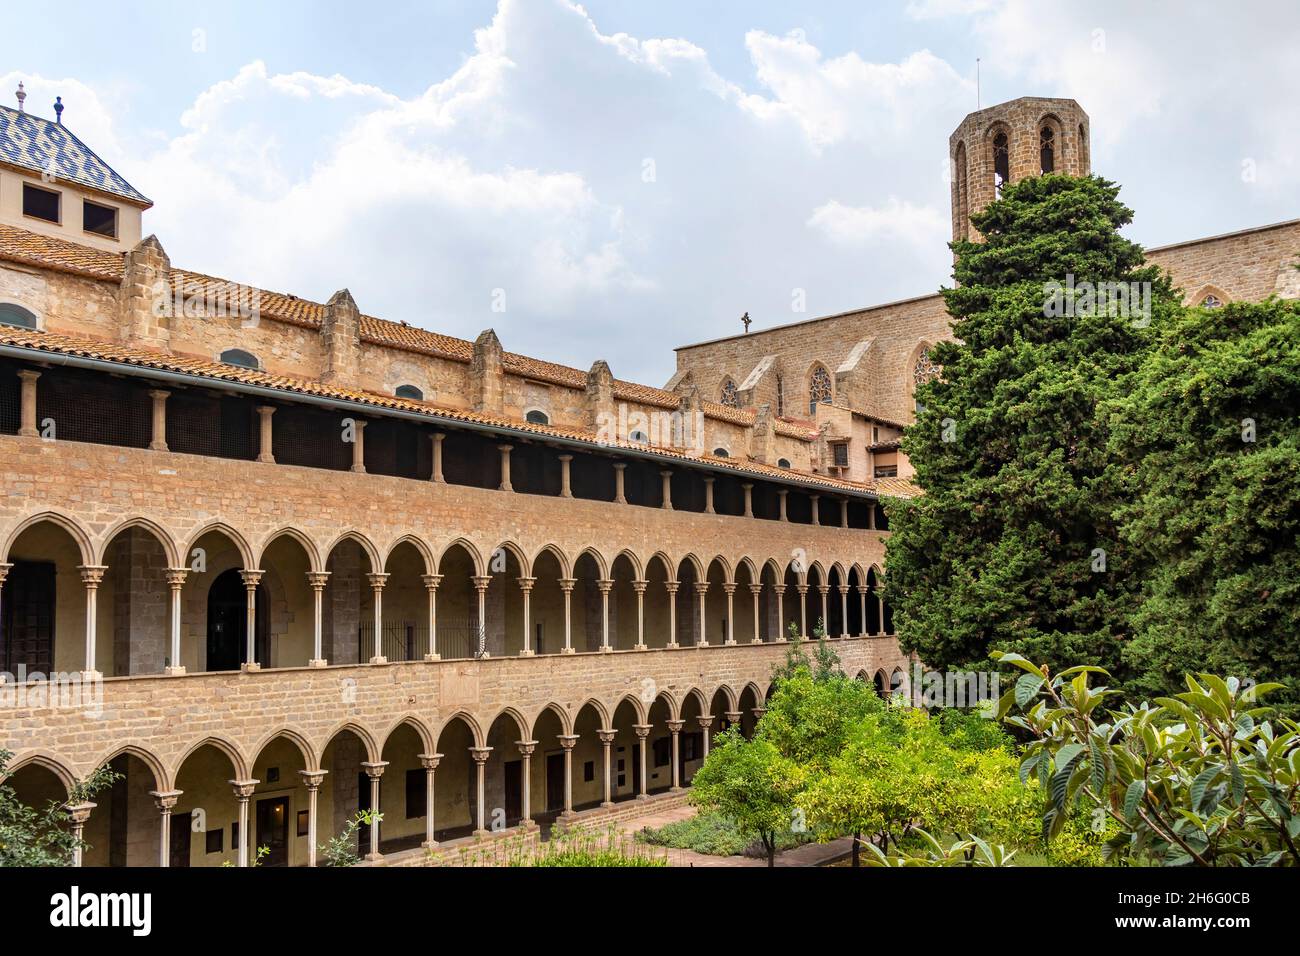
{"points": [[713, 834], [43, 837]]}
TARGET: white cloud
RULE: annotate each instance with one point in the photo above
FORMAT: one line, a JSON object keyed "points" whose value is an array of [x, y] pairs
{"points": [[897, 220]]}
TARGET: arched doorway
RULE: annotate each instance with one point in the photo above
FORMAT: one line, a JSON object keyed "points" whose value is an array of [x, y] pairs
{"points": [[228, 622]]}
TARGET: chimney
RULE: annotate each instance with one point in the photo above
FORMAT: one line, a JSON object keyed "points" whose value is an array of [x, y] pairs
{"points": [[487, 374], [340, 331], [22, 95]]}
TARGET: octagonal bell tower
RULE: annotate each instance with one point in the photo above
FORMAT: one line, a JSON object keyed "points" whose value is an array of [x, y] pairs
{"points": [[1007, 142]]}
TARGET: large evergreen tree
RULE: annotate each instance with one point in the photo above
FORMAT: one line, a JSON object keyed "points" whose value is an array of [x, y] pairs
{"points": [[1213, 519], [1012, 544]]}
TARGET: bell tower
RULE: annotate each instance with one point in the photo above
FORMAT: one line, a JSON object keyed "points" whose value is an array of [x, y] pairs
{"points": [[1007, 142]]}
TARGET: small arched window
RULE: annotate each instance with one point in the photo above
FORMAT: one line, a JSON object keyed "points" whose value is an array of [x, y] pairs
{"points": [[240, 358], [729, 395], [11, 314], [1047, 149], [640, 437], [1211, 301], [783, 463], [537, 417], [819, 389], [409, 391], [721, 453], [924, 371], [959, 174], [1001, 161]]}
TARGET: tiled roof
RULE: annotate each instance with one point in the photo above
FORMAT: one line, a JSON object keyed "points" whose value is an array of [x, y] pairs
{"points": [[20, 245], [60, 344], [42, 146]]}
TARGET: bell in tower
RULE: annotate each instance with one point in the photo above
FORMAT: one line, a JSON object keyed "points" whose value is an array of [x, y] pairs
{"points": [[1004, 143]]}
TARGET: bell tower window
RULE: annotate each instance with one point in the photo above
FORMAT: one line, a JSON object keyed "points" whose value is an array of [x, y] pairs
{"points": [[1001, 161], [1047, 149]]}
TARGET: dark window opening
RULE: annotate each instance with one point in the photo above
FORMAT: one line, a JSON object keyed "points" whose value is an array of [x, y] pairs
{"points": [[721, 453], [313, 438], [840, 454], [409, 391], [240, 359], [214, 841], [101, 220], [783, 463], [470, 459], [589, 771], [76, 405], [1001, 161], [537, 417], [1047, 149], [416, 794], [534, 470], [41, 203], [11, 314], [396, 448], [886, 471]]}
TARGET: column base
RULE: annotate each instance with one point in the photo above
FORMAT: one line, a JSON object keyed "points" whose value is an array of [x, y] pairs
{"points": [[701, 643], [527, 653], [641, 647], [566, 815], [266, 459], [429, 845], [568, 650], [249, 667], [432, 657], [676, 789], [372, 857], [673, 646], [607, 649], [92, 675], [318, 662], [528, 824], [728, 643], [480, 834], [174, 671], [378, 660], [757, 640], [606, 804], [643, 796]]}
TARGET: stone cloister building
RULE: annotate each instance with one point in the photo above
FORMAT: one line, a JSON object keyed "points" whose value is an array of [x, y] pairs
{"points": [[275, 560]]}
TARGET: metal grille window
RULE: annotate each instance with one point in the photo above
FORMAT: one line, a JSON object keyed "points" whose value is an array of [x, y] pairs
{"points": [[840, 450], [10, 399], [75, 405], [310, 437], [398, 449], [203, 423]]}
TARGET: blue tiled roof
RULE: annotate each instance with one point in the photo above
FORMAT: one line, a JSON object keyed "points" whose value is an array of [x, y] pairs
{"points": [[42, 145]]}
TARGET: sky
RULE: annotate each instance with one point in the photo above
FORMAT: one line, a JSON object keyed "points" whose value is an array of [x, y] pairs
{"points": [[611, 180]]}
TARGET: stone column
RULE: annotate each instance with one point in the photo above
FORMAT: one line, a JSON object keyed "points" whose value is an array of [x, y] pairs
{"points": [[643, 734], [243, 792], [607, 743], [526, 748], [567, 741], [826, 615], [639, 587], [158, 438], [251, 580], [374, 770], [844, 610], [672, 587], [318, 580], [264, 444], [377, 582], [748, 488], [730, 590], [708, 496], [706, 725], [92, 575], [430, 764], [780, 611], [758, 713], [4, 573], [702, 589], [27, 417], [481, 583], [803, 610], [667, 477], [78, 814], [312, 779], [566, 586], [781, 495], [675, 728], [526, 588], [756, 590], [862, 598], [175, 581], [358, 446], [844, 512], [436, 473], [815, 501], [505, 468], [604, 585], [431, 582], [619, 497], [480, 756], [871, 516], [565, 490], [165, 801]]}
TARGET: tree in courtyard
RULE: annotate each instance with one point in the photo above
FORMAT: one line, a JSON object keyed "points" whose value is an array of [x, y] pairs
{"points": [[1213, 519], [752, 784], [1013, 542], [42, 836]]}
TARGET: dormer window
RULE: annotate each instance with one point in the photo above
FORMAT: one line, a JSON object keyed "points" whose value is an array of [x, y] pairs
{"points": [[11, 314], [100, 220], [639, 437], [240, 359], [537, 417], [41, 203], [783, 463], [1211, 301], [721, 453], [409, 391]]}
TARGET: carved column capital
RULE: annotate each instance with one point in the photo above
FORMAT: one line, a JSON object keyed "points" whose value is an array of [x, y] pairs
{"points": [[756, 589], [566, 584], [251, 577], [374, 768], [639, 586], [567, 740], [604, 585], [176, 577], [318, 579], [165, 800], [481, 581], [642, 730], [80, 812], [431, 581], [706, 721], [606, 736], [377, 580], [526, 747], [430, 761], [526, 584], [92, 575], [243, 789], [312, 779], [480, 754], [675, 725]]}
